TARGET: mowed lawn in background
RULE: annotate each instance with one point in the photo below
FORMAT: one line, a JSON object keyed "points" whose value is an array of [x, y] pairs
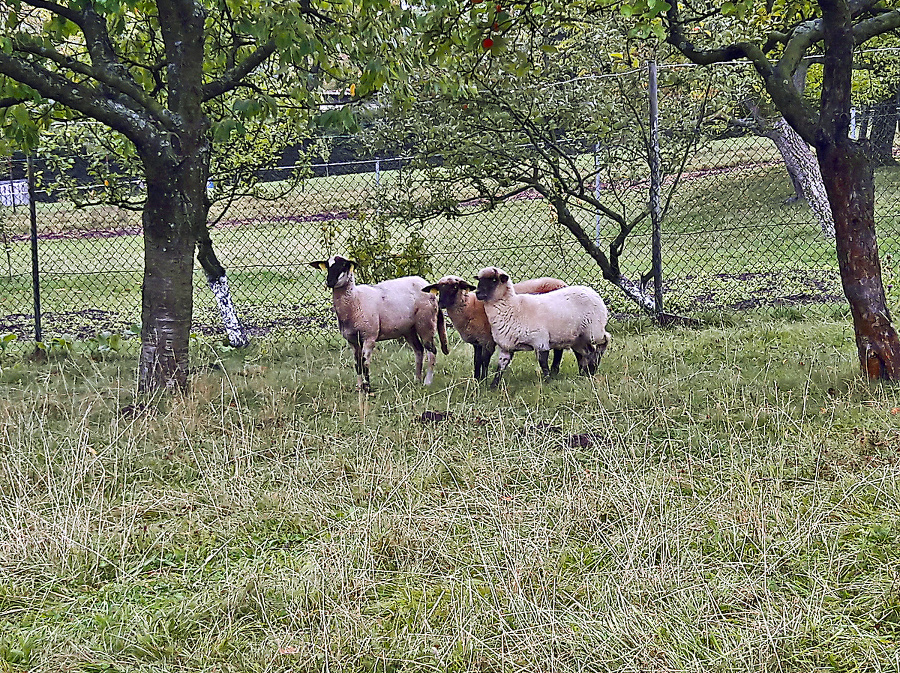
{"points": [[728, 240], [716, 499]]}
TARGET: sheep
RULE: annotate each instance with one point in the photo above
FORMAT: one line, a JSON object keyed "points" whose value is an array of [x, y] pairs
{"points": [[467, 314], [392, 309], [572, 317]]}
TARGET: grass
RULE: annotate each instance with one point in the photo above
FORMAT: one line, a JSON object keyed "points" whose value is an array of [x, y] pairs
{"points": [[716, 499]]}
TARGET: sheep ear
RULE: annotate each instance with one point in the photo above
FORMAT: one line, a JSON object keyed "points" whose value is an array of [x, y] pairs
{"points": [[319, 265], [433, 289], [504, 278], [467, 287]]}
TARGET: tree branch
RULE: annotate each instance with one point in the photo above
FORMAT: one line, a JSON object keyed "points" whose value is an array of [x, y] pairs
{"points": [[83, 99], [839, 43], [131, 93], [778, 79], [232, 77], [9, 102], [56, 8]]}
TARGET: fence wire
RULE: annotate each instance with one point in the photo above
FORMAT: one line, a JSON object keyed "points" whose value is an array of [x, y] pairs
{"points": [[732, 239]]}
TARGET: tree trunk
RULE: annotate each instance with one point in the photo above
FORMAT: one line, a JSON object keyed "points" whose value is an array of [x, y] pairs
{"points": [[804, 171], [609, 266], [881, 135], [218, 283], [167, 304], [177, 205], [849, 179]]}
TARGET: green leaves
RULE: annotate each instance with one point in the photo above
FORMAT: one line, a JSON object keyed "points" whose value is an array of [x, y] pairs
{"points": [[340, 120], [18, 127], [373, 76], [646, 18], [5, 340], [223, 130], [644, 9]]}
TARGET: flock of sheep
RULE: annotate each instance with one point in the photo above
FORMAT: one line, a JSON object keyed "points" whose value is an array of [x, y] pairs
{"points": [[543, 314]]}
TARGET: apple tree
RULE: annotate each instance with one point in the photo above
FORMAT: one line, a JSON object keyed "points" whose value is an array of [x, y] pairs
{"points": [[775, 38], [172, 78], [776, 41], [552, 107]]}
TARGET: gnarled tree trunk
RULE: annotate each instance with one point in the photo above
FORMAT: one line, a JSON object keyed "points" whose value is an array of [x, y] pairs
{"points": [[176, 208], [609, 265], [849, 179], [804, 171]]}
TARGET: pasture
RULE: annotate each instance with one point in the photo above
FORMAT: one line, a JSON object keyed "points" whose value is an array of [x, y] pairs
{"points": [[722, 498]]}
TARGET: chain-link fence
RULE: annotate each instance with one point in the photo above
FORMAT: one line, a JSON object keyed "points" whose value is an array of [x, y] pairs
{"points": [[732, 238]]}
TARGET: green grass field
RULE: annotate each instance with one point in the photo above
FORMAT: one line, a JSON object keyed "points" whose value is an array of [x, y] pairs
{"points": [[715, 499]]}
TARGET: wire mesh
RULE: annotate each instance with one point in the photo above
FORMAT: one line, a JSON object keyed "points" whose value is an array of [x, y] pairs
{"points": [[732, 238]]}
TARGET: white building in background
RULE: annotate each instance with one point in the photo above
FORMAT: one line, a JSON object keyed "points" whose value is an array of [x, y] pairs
{"points": [[13, 192]]}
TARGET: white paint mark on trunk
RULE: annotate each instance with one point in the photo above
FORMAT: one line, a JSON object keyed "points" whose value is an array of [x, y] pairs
{"points": [[237, 337]]}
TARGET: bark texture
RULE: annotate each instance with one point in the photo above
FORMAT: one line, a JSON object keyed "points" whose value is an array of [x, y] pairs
{"points": [[804, 171], [177, 206], [167, 297], [849, 179]]}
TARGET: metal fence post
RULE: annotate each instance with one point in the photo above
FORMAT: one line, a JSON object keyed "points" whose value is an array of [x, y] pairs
{"points": [[655, 188], [35, 271], [378, 185], [597, 193]]}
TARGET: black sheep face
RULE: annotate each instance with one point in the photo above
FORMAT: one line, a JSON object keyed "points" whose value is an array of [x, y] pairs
{"points": [[339, 270], [488, 281], [448, 290]]}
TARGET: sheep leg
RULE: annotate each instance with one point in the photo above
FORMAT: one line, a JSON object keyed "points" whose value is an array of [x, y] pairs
{"points": [[557, 358], [502, 363], [358, 362], [594, 360], [582, 362], [479, 372], [482, 360], [416, 344], [425, 337], [429, 373], [487, 352], [430, 357], [367, 348], [542, 357], [587, 361]]}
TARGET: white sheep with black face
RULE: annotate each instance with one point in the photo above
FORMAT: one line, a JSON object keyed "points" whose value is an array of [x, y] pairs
{"points": [[392, 309], [466, 312], [572, 317]]}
